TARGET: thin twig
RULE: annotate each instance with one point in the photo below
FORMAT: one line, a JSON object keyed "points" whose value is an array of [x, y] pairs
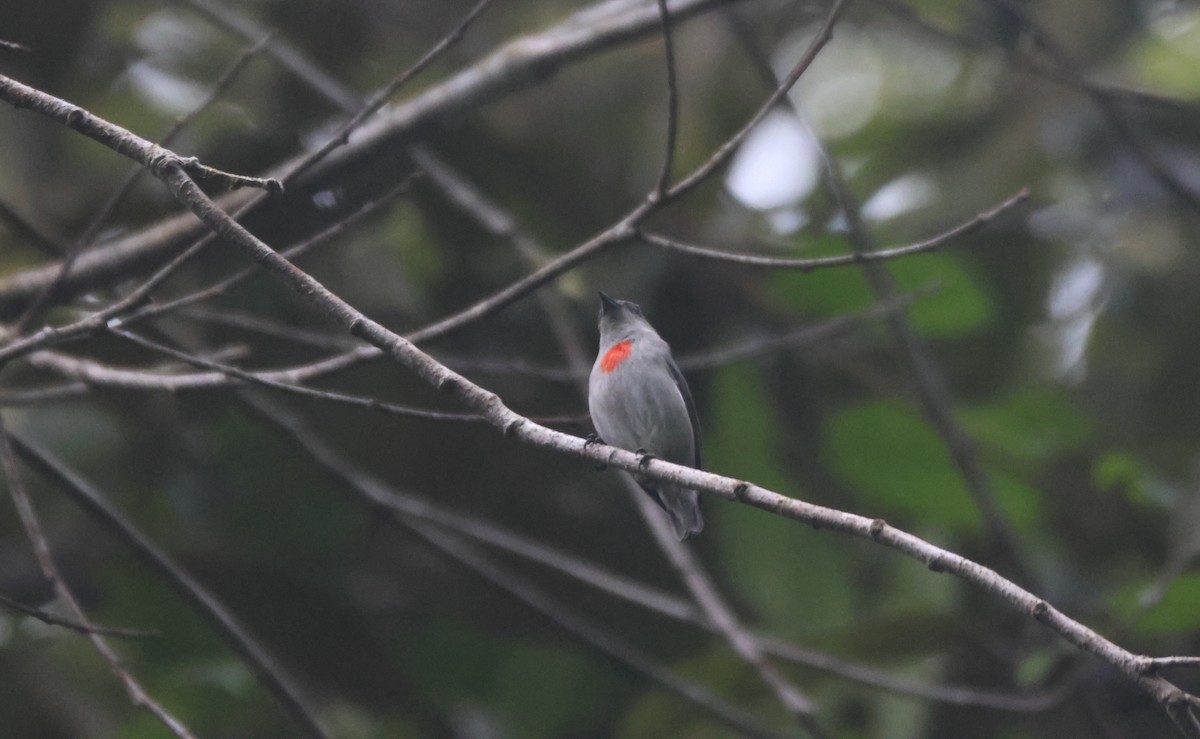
{"points": [[381, 97], [154, 158], [41, 549], [807, 264], [704, 359], [267, 327], [118, 314], [77, 626], [12, 47], [92, 230], [726, 150], [664, 177], [26, 231], [720, 615], [40, 395], [95, 373], [259, 379], [242, 25], [273, 678]]}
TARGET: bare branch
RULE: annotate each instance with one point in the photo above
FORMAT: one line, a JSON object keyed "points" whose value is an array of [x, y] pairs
{"points": [[37, 396], [718, 613], [95, 373], [270, 674], [804, 265], [26, 231], [726, 150], [263, 381], [12, 47], [706, 358], [41, 549], [154, 158], [377, 101], [76, 626], [85, 240], [113, 315], [664, 177], [327, 85]]}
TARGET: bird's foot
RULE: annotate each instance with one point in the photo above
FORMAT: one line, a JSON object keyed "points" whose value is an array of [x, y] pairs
{"points": [[594, 439], [644, 458]]}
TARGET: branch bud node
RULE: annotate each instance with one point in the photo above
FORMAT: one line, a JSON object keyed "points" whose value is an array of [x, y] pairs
{"points": [[877, 527], [513, 426]]}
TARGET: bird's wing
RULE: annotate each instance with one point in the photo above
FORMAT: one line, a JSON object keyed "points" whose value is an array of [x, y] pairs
{"points": [[682, 385]]}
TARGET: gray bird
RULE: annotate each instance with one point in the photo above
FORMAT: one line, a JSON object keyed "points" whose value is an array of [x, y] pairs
{"points": [[639, 401]]}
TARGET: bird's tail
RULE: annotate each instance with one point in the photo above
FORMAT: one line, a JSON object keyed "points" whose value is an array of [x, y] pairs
{"points": [[683, 507]]}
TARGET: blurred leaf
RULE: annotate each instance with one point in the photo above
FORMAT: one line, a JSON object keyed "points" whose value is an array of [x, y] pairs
{"points": [[1177, 612], [1020, 503], [1033, 669], [896, 461], [534, 687], [405, 230], [1165, 62], [743, 442], [1029, 425], [1121, 472], [660, 713], [957, 307]]}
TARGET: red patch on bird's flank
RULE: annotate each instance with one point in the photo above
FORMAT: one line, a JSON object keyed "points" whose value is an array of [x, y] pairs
{"points": [[613, 357]]}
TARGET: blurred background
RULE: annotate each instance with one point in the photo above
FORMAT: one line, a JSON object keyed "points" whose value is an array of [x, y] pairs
{"points": [[1031, 407]]}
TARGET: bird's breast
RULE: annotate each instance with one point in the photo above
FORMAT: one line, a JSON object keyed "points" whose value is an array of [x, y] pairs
{"points": [[616, 354]]}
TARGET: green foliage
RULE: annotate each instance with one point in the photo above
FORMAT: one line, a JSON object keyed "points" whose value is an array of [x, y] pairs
{"points": [[525, 684], [957, 305], [1176, 613], [1031, 425], [1124, 473], [1163, 61], [768, 559], [898, 464]]}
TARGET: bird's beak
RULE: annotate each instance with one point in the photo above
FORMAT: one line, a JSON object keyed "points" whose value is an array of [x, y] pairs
{"points": [[607, 304]]}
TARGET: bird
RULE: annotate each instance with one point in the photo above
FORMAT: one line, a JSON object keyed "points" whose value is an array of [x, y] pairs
{"points": [[639, 401]]}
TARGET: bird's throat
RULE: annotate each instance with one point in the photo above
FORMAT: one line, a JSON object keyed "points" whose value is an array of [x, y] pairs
{"points": [[614, 356]]}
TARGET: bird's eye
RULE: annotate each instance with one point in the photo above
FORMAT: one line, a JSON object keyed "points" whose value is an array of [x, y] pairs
{"points": [[635, 309]]}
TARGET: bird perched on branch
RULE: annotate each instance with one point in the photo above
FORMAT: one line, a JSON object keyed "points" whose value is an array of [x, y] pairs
{"points": [[640, 402]]}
